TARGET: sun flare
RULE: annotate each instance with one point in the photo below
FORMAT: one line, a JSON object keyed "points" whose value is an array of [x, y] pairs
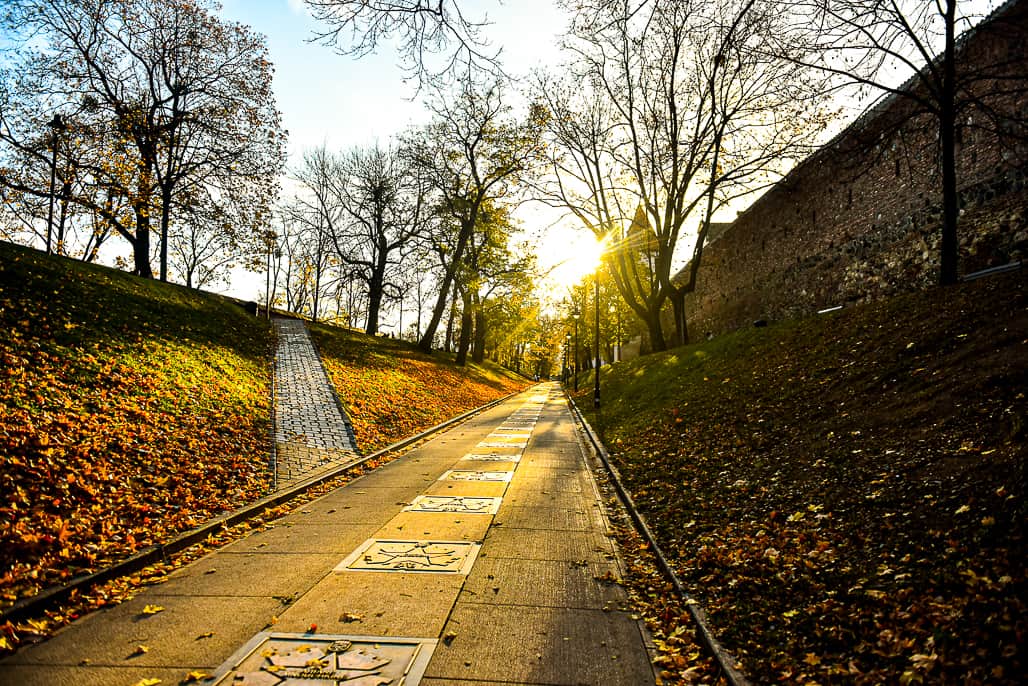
{"points": [[571, 258]]}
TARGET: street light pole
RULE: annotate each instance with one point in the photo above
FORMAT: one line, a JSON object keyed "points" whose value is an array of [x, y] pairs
{"points": [[575, 315], [56, 124], [596, 367]]}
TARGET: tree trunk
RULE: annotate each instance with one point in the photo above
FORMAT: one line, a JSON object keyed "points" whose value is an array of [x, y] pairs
{"points": [[677, 298], [950, 247], [478, 347], [657, 342], [448, 338], [374, 299], [465, 331], [141, 245], [165, 220]]}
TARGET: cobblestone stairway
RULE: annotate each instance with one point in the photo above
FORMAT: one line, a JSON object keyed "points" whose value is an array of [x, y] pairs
{"points": [[312, 432]]}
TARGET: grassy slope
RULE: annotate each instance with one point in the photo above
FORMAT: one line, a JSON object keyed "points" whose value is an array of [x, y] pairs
{"points": [[129, 410], [391, 390], [845, 494]]}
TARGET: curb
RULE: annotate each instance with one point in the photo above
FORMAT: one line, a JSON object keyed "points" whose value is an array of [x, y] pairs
{"points": [[723, 659], [38, 603]]}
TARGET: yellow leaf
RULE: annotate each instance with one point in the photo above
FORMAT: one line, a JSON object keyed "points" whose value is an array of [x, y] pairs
{"points": [[196, 676], [152, 609], [812, 659], [140, 650], [147, 682]]}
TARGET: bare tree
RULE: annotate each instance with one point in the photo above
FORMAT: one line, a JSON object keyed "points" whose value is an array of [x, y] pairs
{"points": [[176, 98], [385, 203], [473, 154], [910, 50], [671, 112], [433, 37]]}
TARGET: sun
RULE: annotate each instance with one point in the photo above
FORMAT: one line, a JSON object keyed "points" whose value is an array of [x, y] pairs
{"points": [[569, 255]]}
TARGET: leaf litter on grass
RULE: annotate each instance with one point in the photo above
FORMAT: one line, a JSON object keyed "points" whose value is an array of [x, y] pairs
{"points": [[849, 507]]}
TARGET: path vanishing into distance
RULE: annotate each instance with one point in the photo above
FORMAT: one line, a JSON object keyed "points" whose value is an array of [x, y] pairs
{"points": [[481, 556]]}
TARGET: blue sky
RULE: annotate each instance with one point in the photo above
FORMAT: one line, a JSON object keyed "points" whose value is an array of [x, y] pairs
{"points": [[343, 101]]}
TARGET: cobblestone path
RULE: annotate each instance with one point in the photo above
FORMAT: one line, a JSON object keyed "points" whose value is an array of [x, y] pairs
{"points": [[312, 431]]}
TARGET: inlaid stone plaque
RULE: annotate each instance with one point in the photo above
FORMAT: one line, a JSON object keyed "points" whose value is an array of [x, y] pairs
{"points": [[503, 444], [476, 475], [280, 659], [455, 504], [386, 555]]}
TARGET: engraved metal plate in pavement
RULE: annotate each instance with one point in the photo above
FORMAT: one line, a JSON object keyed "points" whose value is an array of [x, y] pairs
{"points": [[476, 475], [272, 659], [492, 457], [382, 555], [455, 504]]}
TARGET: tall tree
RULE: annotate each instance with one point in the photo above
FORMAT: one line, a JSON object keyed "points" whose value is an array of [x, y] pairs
{"points": [[385, 201], [180, 99], [473, 153], [670, 113], [877, 44]]}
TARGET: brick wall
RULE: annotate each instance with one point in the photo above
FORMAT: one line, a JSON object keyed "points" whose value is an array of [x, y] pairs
{"points": [[860, 219]]}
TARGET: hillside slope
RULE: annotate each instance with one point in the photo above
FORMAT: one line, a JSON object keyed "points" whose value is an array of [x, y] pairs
{"points": [[392, 390], [132, 410], [129, 411], [844, 494]]}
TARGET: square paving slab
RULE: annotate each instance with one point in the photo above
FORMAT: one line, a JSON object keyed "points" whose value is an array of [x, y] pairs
{"points": [[435, 526], [187, 631], [534, 645], [546, 583], [561, 546], [420, 556], [273, 659], [220, 574], [375, 603]]}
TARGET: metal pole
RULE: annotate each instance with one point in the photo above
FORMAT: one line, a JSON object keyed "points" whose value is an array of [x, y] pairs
{"points": [[576, 352], [596, 367]]}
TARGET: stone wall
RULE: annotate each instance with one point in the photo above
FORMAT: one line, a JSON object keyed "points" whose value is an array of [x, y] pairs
{"points": [[860, 219]]}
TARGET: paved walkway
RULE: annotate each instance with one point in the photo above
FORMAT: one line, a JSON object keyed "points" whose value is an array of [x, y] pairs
{"points": [[312, 432], [481, 557]]}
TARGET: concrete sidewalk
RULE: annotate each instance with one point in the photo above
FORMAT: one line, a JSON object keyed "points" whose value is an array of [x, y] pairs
{"points": [[479, 557]]}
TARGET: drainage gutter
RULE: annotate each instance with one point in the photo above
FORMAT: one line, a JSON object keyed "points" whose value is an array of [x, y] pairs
{"points": [[724, 660]]}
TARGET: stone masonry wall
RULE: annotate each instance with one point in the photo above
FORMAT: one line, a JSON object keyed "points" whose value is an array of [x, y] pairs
{"points": [[860, 219]]}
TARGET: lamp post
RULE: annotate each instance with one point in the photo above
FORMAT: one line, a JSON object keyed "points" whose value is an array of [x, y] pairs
{"points": [[575, 315], [57, 125], [567, 354], [596, 336]]}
